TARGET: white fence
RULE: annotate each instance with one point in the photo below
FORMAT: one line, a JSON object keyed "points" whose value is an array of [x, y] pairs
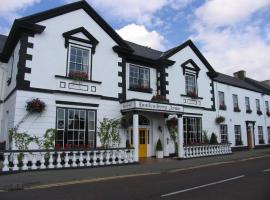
{"points": [[206, 150], [36, 159]]}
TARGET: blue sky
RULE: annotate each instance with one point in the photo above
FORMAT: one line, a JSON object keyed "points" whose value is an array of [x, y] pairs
{"points": [[232, 35]]}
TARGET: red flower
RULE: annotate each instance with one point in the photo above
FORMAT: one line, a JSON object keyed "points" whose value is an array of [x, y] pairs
{"points": [[77, 75]]}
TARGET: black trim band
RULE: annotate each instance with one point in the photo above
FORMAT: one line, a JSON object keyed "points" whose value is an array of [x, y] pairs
{"points": [[76, 103]]}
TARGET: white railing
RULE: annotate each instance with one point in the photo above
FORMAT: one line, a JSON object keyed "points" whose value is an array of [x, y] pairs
{"points": [[41, 159], [194, 151]]}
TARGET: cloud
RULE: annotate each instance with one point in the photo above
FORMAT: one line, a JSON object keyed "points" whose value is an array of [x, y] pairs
{"points": [[139, 11], [9, 11], [235, 37], [140, 35]]}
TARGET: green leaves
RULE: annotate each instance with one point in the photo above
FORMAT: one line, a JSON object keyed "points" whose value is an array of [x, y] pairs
{"points": [[108, 133]]}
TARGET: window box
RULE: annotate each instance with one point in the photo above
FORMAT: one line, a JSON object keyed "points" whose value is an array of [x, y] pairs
{"points": [[268, 113], [249, 111], [259, 112], [222, 107], [159, 98], [236, 109], [140, 88], [78, 76], [192, 94]]}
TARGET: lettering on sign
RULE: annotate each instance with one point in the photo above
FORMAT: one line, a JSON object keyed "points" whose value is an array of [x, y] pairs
{"points": [[151, 106], [192, 102]]}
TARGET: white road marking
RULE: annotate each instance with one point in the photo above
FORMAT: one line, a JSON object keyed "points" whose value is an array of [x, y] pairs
{"points": [[266, 170], [202, 186]]}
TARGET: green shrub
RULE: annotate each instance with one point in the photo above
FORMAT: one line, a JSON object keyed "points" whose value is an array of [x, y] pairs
{"points": [[213, 139], [127, 143], [159, 146]]}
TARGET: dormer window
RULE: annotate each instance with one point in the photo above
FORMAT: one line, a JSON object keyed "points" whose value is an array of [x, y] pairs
{"points": [[78, 61]]}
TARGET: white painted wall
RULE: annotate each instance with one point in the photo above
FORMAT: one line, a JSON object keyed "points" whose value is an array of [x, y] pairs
{"points": [[50, 54]]}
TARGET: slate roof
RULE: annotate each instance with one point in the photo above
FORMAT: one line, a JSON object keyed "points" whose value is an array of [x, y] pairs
{"points": [[144, 51], [3, 39], [247, 83]]}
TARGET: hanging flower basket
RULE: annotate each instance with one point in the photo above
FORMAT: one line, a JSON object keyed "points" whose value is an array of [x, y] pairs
{"points": [[78, 76], [35, 106], [220, 119], [172, 123]]}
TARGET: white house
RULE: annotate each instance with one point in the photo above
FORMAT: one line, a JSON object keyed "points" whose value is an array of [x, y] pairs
{"points": [[43, 51]]}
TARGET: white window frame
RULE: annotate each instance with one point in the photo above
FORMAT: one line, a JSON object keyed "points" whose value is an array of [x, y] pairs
{"points": [[224, 133], [258, 104], [220, 96], [238, 134], [141, 81], [89, 49], [235, 101], [260, 134], [195, 82]]}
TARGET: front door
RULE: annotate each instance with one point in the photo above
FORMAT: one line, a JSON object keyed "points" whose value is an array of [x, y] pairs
{"points": [[249, 136], [142, 143]]}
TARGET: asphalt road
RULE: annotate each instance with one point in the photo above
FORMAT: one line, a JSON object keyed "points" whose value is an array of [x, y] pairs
{"points": [[247, 180]]}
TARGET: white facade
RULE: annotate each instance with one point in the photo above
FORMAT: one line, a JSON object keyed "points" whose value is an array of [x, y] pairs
{"points": [[109, 78]]}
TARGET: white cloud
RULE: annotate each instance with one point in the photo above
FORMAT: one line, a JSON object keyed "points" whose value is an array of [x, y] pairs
{"points": [[9, 10], [233, 38], [139, 11], [140, 35], [228, 12]]}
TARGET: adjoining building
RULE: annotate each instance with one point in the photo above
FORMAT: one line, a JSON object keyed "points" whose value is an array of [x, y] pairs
{"points": [[43, 51]]}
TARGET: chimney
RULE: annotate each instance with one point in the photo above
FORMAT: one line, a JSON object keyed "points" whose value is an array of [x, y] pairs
{"points": [[266, 82], [240, 74]]}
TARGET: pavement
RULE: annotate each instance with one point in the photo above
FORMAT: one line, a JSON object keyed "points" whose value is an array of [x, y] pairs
{"points": [[34, 179], [243, 175]]}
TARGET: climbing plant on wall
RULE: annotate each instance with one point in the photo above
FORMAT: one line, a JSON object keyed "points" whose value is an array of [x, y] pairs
{"points": [[172, 127], [108, 133]]}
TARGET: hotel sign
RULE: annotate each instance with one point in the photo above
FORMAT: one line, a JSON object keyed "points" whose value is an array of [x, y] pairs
{"points": [[149, 106]]}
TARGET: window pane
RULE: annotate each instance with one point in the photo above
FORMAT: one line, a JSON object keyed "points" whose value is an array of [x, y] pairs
{"points": [[79, 60]]}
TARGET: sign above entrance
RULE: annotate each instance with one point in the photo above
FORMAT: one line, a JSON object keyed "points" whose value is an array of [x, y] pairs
{"points": [[150, 106]]}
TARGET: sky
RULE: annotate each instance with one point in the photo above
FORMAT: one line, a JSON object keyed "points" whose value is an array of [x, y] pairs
{"points": [[232, 34]]}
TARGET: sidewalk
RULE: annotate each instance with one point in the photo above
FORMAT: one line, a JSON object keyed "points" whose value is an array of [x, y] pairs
{"points": [[35, 178]]}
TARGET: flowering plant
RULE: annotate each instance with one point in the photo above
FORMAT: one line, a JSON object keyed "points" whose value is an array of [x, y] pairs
{"points": [[141, 88], [35, 106], [78, 76], [220, 119], [222, 106], [192, 94], [249, 111], [268, 113]]}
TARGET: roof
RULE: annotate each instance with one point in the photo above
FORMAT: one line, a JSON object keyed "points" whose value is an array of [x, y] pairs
{"points": [[3, 39], [247, 83], [144, 51]]}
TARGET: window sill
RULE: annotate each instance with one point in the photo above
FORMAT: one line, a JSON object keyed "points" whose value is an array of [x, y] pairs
{"points": [[138, 90], [66, 77], [184, 95]]}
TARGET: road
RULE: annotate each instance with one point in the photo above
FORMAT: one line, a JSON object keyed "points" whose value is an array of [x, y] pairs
{"points": [[247, 180]]}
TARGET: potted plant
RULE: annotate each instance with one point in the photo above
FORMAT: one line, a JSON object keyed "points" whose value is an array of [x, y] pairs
{"points": [[268, 113], [159, 149], [78, 76], [220, 119], [213, 139], [35, 106], [259, 112]]}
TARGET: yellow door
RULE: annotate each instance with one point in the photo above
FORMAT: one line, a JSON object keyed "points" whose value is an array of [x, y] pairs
{"points": [[249, 138], [142, 143]]}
